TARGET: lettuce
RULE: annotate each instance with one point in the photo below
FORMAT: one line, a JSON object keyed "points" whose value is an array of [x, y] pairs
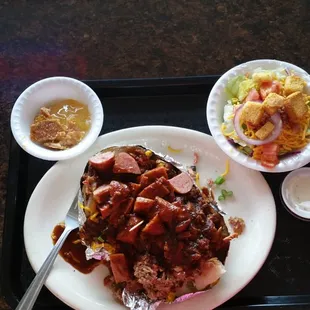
{"points": [[260, 75], [232, 86], [244, 88]]}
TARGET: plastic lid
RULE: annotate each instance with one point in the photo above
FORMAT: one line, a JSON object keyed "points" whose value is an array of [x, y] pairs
{"points": [[295, 193]]}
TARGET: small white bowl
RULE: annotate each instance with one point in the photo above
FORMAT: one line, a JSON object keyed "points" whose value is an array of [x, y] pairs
{"points": [[295, 193], [215, 107], [41, 93]]}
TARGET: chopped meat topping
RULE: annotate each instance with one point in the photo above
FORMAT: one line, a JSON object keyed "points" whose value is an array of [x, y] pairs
{"points": [[157, 220], [102, 161], [124, 163], [119, 267], [182, 183], [159, 188], [237, 224], [155, 281]]}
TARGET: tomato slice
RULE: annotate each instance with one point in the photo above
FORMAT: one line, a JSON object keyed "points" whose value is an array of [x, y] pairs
{"points": [[269, 158], [269, 87], [271, 149], [267, 164], [253, 95]]}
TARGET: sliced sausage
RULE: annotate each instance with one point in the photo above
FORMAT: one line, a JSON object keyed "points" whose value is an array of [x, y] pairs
{"points": [[124, 163], [129, 235], [118, 192], [105, 211], [182, 183], [155, 174], [119, 267], [143, 205], [134, 188], [102, 193], [184, 235], [158, 188], [167, 211], [182, 226], [127, 205], [119, 211], [144, 181], [102, 161], [155, 227]]}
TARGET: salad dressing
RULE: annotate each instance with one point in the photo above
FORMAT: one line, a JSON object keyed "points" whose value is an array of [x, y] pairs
{"points": [[300, 191], [295, 193]]}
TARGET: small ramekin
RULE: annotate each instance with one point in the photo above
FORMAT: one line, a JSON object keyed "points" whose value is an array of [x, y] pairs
{"points": [[291, 190], [40, 94]]}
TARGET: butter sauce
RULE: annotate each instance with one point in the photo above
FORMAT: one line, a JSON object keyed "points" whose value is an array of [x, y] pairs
{"points": [[61, 124], [71, 110]]}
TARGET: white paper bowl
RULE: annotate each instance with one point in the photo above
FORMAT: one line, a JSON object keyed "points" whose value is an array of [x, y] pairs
{"points": [[295, 193], [41, 93], [215, 107]]}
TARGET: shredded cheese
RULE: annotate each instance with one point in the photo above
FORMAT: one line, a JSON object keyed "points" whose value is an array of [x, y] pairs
{"points": [[227, 134], [108, 247], [93, 217], [171, 297], [95, 245], [250, 133], [293, 140], [77, 241], [231, 116], [227, 169], [304, 132], [174, 150], [197, 179], [84, 208], [289, 139], [87, 209]]}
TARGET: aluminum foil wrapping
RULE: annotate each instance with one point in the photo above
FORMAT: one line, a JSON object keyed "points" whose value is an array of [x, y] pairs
{"points": [[138, 302], [130, 300]]}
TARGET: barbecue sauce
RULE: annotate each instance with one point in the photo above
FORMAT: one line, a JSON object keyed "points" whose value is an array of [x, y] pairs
{"points": [[74, 253]]}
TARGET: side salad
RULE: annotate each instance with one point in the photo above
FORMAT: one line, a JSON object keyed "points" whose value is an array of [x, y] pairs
{"points": [[267, 114]]}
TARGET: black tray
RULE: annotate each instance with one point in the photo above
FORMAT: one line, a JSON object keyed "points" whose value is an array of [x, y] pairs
{"points": [[285, 277]]}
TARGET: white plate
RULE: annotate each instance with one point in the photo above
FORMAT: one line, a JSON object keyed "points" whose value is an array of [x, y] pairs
{"points": [[252, 201], [218, 99]]}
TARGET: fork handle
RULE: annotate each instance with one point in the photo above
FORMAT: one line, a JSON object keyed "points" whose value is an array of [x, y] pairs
{"points": [[34, 289]]}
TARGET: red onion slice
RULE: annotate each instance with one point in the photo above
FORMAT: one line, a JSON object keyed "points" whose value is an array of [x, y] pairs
{"points": [[275, 119]]}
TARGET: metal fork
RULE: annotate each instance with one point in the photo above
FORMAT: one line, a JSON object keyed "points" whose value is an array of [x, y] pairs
{"points": [[34, 289], [214, 204]]}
